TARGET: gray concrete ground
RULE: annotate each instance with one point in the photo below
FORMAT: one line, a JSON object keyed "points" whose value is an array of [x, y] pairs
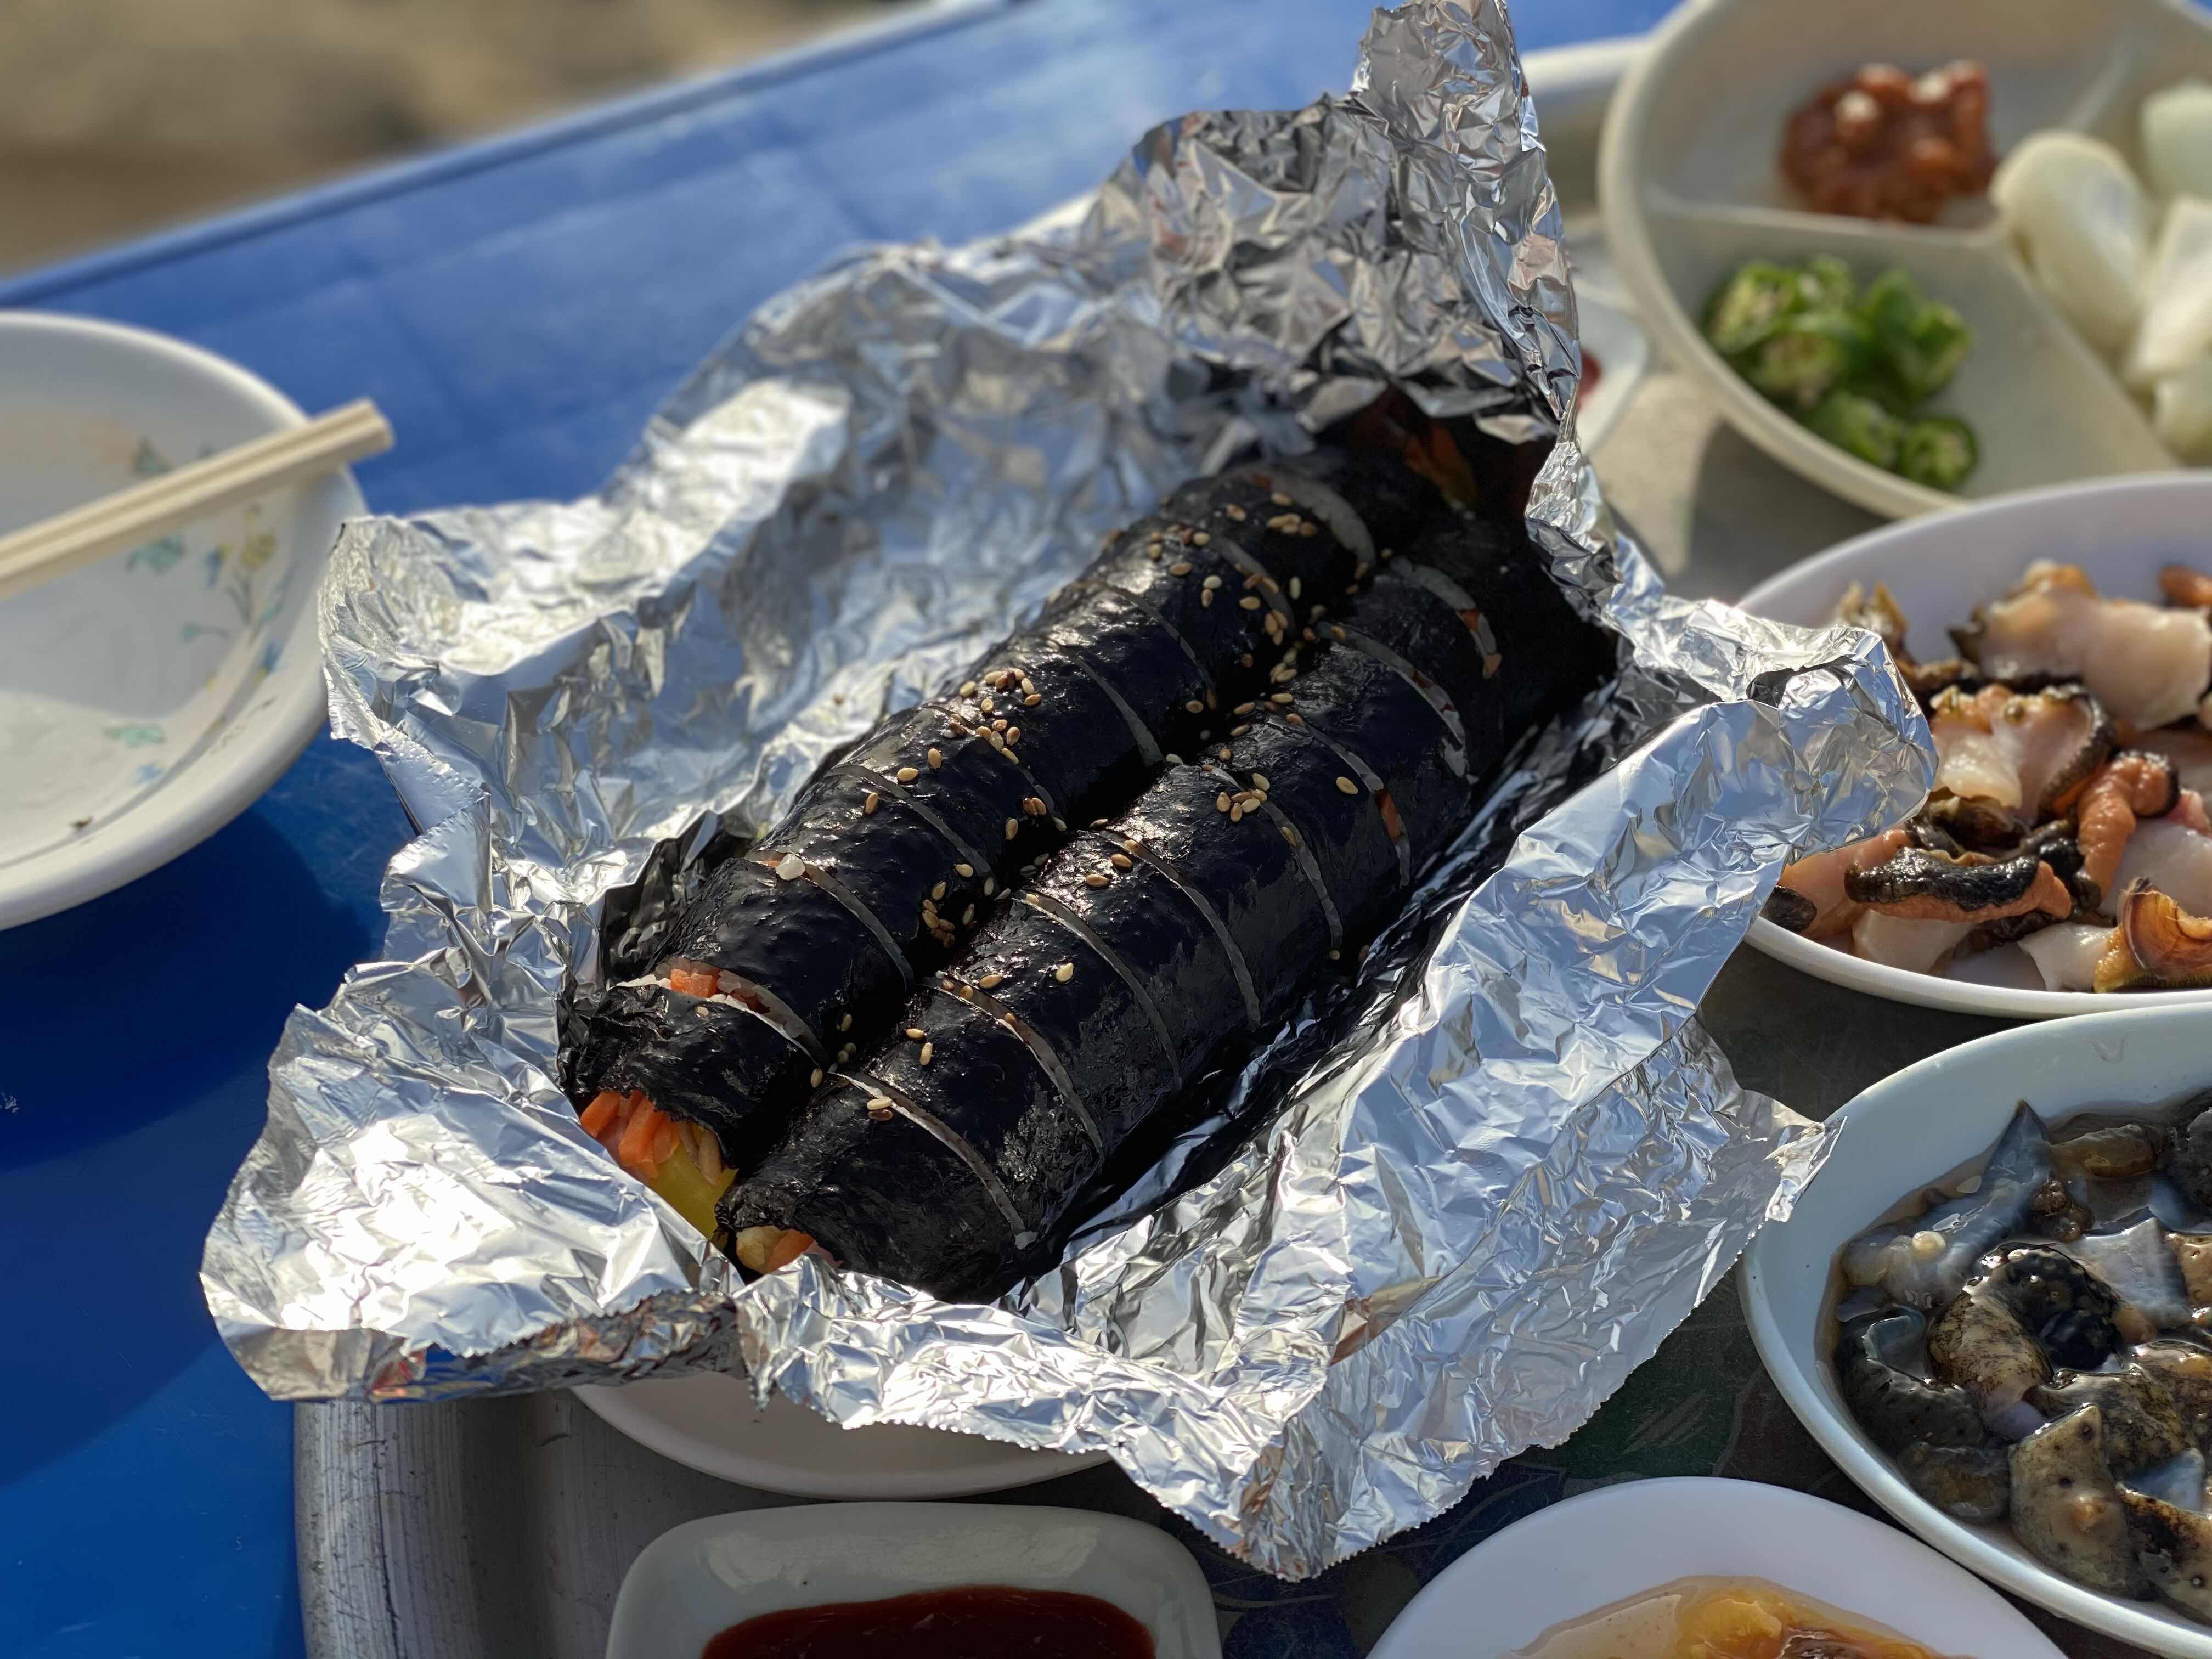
{"points": [[117, 116]]}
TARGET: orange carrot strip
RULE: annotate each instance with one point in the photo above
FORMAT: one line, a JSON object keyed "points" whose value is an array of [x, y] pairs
{"points": [[635, 1152], [601, 1112], [789, 1249], [1391, 822]]}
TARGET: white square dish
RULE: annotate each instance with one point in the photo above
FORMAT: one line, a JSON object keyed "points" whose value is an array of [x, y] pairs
{"points": [[696, 1580]]}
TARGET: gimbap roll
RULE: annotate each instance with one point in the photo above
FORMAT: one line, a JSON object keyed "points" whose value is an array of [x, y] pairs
{"points": [[791, 959], [1147, 949]]}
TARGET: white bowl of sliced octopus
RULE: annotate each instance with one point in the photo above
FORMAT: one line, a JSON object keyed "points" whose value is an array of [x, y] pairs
{"points": [[2060, 641]]}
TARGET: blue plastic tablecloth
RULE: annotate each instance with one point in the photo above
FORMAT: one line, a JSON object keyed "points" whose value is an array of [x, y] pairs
{"points": [[517, 308]]}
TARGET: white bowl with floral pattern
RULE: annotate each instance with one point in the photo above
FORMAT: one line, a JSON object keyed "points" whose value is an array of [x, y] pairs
{"points": [[148, 699]]}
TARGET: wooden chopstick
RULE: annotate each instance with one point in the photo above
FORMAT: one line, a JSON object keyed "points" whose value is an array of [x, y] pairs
{"points": [[145, 511]]}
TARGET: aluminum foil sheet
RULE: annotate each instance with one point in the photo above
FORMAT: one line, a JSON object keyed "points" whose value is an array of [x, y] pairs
{"points": [[1445, 1212]]}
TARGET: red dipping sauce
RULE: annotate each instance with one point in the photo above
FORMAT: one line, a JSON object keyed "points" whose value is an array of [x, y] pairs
{"points": [[1593, 372], [978, 1622]]}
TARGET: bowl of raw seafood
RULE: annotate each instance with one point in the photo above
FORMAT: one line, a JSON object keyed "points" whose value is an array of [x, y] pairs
{"points": [[1993, 1307], [1920, 254], [2060, 644]]}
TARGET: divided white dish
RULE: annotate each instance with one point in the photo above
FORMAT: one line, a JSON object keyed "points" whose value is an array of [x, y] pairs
{"points": [[1908, 1130], [1691, 189], [698, 1579], [1938, 570], [1607, 1546], [146, 699]]}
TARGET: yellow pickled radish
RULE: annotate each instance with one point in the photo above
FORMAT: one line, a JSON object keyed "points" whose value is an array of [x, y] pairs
{"points": [[689, 1191]]}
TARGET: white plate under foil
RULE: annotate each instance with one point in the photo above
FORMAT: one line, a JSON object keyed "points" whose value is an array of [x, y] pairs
{"points": [[710, 1423], [2119, 531], [1692, 189], [1611, 1545], [1909, 1130]]}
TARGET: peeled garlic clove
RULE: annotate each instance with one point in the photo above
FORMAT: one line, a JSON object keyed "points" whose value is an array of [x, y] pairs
{"points": [[2177, 319], [2080, 218], [2176, 140], [2181, 410]]}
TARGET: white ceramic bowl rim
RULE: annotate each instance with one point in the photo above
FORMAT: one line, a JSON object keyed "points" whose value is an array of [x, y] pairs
{"points": [[199, 798], [707, 1422]]}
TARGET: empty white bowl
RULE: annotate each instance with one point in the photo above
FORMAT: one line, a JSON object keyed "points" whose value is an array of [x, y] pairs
{"points": [[146, 700], [1905, 1133], [1691, 187], [1938, 570]]}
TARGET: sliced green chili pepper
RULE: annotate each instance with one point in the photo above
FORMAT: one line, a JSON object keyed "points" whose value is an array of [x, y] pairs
{"points": [[1827, 282], [1859, 425], [1747, 307], [1918, 342], [1807, 356], [1938, 451], [1856, 366]]}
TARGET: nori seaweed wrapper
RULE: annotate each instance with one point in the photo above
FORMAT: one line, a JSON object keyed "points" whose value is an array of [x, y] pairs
{"points": [[1180, 972], [1344, 834], [1243, 871], [701, 1061], [1414, 631], [1546, 650], [1394, 501], [974, 789], [1237, 642], [1120, 1043], [890, 858], [983, 1084], [878, 1189], [1284, 538], [1083, 740], [1372, 715], [1145, 661], [791, 938]]}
